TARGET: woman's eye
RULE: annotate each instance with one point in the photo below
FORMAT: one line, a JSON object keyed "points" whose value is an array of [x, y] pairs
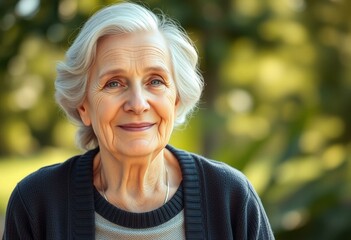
{"points": [[113, 84], [156, 82]]}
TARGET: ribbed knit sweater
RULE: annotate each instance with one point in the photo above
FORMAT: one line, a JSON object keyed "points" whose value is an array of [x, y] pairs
{"points": [[58, 202]]}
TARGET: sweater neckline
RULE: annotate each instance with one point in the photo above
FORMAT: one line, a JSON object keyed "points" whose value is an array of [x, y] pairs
{"points": [[83, 205], [139, 220]]}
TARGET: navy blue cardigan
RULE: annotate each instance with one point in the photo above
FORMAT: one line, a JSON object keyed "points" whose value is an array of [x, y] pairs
{"points": [[59, 202]]}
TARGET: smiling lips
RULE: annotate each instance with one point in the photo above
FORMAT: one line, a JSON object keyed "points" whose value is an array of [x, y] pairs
{"points": [[135, 127]]}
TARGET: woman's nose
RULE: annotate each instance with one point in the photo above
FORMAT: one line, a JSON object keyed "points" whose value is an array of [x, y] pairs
{"points": [[137, 101]]}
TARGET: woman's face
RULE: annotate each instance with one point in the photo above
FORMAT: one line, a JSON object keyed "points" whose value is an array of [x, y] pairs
{"points": [[131, 99]]}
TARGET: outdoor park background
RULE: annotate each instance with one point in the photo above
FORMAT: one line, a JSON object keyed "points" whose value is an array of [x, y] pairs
{"points": [[276, 104]]}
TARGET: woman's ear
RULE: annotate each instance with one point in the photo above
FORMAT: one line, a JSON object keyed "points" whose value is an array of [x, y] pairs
{"points": [[177, 102], [83, 111]]}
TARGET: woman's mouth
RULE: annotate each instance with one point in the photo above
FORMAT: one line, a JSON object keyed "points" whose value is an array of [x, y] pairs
{"points": [[135, 127]]}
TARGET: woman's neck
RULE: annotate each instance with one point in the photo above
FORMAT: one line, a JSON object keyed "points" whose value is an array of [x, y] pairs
{"points": [[133, 184]]}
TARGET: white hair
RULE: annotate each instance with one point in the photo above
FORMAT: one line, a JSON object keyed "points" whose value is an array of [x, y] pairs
{"points": [[72, 74]]}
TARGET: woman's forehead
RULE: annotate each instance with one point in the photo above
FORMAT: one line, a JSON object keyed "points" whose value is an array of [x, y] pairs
{"points": [[133, 45], [146, 49]]}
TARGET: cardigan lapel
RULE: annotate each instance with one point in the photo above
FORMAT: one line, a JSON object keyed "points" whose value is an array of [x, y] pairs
{"points": [[82, 223], [193, 208]]}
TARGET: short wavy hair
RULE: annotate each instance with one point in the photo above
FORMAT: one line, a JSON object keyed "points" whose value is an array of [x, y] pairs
{"points": [[72, 73]]}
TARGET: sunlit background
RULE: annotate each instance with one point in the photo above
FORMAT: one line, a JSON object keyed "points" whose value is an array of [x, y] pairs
{"points": [[277, 103]]}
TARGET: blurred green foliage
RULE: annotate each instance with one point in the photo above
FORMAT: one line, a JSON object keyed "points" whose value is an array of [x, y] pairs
{"points": [[276, 105]]}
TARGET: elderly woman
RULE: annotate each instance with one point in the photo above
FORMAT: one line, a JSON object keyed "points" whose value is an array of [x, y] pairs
{"points": [[128, 78]]}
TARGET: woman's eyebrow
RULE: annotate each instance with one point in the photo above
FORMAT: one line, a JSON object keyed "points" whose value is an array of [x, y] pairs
{"points": [[110, 72], [157, 69]]}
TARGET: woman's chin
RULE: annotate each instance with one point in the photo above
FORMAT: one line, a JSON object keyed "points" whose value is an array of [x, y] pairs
{"points": [[138, 148]]}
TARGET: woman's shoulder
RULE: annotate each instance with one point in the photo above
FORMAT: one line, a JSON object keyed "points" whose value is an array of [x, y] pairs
{"points": [[59, 172], [225, 180], [45, 175], [213, 170], [219, 176], [219, 170]]}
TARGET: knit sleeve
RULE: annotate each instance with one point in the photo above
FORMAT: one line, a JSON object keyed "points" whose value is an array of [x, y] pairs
{"points": [[258, 226], [18, 222]]}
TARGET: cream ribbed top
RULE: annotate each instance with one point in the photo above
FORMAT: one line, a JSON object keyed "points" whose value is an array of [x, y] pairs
{"points": [[172, 229]]}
